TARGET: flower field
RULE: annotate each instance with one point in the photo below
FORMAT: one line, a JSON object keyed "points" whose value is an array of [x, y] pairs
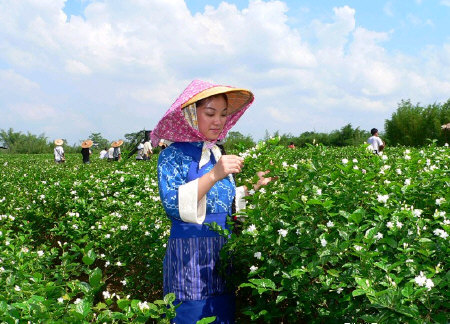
{"points": [[339, 235]]}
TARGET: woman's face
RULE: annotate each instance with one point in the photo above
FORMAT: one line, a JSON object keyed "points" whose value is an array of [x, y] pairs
{"points": [[211, 117]]}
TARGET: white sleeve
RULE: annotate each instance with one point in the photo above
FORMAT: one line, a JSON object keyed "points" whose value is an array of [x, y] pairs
{"points": [[240, 201], [190, 210], [380, 142]]}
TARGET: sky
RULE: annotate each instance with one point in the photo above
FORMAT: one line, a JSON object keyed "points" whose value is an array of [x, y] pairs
{"points": [[69, 68]]}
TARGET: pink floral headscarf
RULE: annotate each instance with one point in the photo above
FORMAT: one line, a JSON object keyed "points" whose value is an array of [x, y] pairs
{"points": [[174, 127]]}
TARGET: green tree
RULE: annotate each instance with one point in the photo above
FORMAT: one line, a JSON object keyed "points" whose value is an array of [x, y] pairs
{"points": [[99, 141], [237, 142], [17, 142]]}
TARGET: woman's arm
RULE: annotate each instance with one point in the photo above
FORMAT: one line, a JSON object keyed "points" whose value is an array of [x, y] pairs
{"points": [[226, 165]]}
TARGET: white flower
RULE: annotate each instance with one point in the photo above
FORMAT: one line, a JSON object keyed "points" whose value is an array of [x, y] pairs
{"points": [[282, 232], [107, 236], [147, 233], [40, 253], [323, 242], [407, 157], [379, 236], [355, 161], [107, 263], [60, 300], [75, 226], [124, 282], [339, 290], [441, 233], [344, 161], [251, 228], [363, 171], [355, 167], [384, 157], [2, 269], [284, 164], [409, 261], [382, 198], [119, 263], [17, 288], [330, 224], [407, 182], [262, 190], [138, 203], [257, 255], [446, 221], [358, 247], [407, 151], [251, 192], [77, 301], [398, 171], [429, 284], [417, 212], [420, 280], [389, 225], [253, 268], [399, 224], [440, 201], [143, 306], [319, 192], [124, 227], [106, 294]]}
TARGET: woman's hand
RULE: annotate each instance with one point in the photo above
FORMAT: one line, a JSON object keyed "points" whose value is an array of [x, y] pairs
{"points": [[262, 181], [226, 165]]}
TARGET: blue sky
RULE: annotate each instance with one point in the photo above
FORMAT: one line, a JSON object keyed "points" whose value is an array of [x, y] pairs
{"points": [[70, 68]]}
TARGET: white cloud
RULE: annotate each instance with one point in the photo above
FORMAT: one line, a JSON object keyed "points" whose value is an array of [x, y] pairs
{"points": [[121, 66], [445, 3]]}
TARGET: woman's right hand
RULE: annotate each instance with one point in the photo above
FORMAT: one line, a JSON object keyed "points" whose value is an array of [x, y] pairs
{"points": [[226, 165]]}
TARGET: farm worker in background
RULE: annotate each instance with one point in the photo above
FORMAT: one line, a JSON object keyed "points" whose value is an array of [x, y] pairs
{"points": [[140, 152], [291, 145], [196, 187], [147, 150], [86, 150], [117, 156], [104, 153], [59, 151], [111, 152], [375, 142]]}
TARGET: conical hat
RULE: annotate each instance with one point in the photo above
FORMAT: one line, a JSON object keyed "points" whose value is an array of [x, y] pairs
{"points": [[117, 143], [59, 142], [87, 144], [173, 125]]}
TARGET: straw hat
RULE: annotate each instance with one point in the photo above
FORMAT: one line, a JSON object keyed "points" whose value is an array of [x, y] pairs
{"points": [[87, 144], [59, 142], [238, 98], [117, 143]]}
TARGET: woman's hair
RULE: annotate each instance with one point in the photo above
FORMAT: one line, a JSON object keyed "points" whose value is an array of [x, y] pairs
{"points": [[373, 131], [205, 100]]}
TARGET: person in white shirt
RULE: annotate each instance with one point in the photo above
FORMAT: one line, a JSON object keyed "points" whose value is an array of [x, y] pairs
{"points": [[111, 153], [104, 153], [140, 152], [59, 151], [147, 150], [376, 142]]}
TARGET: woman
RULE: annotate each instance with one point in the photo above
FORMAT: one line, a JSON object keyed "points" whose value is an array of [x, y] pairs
{"points": [[196, 188], [58, 151], [86, 150]]}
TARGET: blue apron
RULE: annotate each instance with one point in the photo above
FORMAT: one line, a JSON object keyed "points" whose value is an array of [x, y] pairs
{"points": [[191, 263]]}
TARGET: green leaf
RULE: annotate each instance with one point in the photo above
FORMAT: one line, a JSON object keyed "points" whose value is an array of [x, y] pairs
{"points": [[358, 292], [123, 303], [333, 272], [95, 278], [206, 320], [169, 298], [408, 290], [89, 257], [83, 307]]}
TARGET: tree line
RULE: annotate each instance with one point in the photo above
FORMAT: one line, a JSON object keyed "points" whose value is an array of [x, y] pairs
{"points": [[409, 125]]}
